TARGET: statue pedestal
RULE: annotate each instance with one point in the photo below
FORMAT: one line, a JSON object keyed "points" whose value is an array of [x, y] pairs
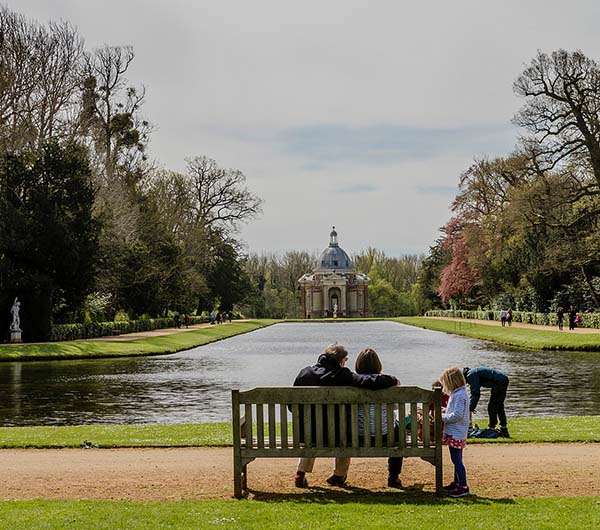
{"points": [[15, 336]]}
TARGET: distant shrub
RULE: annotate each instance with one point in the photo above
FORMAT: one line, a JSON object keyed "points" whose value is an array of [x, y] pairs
{"points": [[121, 316], [91, 330], [589, 320]]}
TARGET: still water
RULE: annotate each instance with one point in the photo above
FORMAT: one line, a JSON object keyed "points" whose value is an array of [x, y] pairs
{"points": [[194, 386]]}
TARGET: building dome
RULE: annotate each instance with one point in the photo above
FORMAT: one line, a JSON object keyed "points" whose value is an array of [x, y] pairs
{"points": [[334, 257]]}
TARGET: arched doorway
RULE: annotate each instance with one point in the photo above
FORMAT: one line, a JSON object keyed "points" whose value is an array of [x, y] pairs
{"points": [[335, 298]]}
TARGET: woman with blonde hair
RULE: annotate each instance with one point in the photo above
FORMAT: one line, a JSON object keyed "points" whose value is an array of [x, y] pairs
{"points": [[456, 424]]}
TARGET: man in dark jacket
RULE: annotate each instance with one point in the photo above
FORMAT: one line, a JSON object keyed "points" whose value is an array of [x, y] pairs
{"points": [[331, 370], [498, 383]]}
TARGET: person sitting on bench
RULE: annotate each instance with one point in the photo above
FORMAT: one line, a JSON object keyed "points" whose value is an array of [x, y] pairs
{"points": [[498, 383], [331, 370]]}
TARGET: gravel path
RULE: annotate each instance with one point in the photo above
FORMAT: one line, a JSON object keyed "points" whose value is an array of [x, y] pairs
{"points": [[497, 471]]}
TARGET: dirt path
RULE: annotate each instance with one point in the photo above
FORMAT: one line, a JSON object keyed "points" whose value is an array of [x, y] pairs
{"points": [[521, 325], [498, 471], [154, 333], [161, 332]]}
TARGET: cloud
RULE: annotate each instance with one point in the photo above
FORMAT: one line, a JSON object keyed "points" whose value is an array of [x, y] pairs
{"points": [[386, 144], [357, 188]]}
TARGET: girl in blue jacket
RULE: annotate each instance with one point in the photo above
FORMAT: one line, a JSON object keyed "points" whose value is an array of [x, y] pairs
{"points": [[456, 424]]}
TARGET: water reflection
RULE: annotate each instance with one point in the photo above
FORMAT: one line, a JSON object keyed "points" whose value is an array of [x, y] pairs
{"points": [[195, 385]]}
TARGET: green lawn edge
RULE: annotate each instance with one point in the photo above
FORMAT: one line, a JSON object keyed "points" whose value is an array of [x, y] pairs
{"points": [[357, 510], [523, 430], [527, 338], [160, 345]]}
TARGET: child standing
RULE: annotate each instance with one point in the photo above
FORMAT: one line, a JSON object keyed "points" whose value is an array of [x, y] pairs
{"points": [[456, 425]]}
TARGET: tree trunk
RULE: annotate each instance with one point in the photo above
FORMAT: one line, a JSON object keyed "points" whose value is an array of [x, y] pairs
{"points": [[590, 285]]}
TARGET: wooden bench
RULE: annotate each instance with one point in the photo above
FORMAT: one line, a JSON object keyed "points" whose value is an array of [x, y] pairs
{"points": [[263, 430]]}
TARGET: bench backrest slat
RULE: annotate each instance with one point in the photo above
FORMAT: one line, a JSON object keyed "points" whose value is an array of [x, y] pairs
{"points": [[296, 425], [366, 423], [331, 424], [319, 421], [272, 426], [307, 416], [402, 425], [260, 426], [391, 434], [343, 426], [426, 427], [414, 425], [283, 425], [354, 424], [248, 416], [378, 426]]}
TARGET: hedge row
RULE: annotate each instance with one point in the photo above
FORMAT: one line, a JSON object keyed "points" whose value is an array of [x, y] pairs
{"points": [[589, 320], [103, 329]]}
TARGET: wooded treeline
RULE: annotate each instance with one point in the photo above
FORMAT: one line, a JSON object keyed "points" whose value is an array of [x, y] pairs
{"points": [[274, 281], [91, 227], [524, 231]]}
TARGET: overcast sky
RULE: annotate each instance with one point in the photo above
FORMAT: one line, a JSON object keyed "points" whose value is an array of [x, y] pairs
{"points": [[358, 114]]}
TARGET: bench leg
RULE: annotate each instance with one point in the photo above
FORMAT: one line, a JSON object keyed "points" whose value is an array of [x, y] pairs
{"points": [[439, 476], [245, 478], [237, 476]]}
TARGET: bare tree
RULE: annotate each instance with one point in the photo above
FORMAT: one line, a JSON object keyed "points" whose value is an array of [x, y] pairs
{"points": [[221, 198], [484, 187], [111, 109], [174, 200], [39, 80], [562, 113]]}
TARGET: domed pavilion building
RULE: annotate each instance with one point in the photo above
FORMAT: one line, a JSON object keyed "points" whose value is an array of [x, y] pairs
{"points": [[333, 288]]}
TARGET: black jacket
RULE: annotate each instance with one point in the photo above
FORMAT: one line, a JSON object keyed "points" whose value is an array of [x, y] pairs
{"points": [[328, 372]]}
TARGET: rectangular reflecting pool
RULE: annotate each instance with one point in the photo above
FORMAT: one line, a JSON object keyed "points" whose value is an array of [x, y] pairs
{"points": [[195, 385]]}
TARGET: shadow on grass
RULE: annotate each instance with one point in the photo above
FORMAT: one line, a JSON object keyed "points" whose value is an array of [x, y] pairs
{"points": [[353, 494]]}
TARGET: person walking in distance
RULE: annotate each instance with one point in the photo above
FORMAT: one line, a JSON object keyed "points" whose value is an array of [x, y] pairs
{"points": [[503, 317], [560, 315], [572, 318]]}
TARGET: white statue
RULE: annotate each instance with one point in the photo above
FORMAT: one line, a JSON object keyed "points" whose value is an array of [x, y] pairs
{"points": [[16, 319], [335, 309]]}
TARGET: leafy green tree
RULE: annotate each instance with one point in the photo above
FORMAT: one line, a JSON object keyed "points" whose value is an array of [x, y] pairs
{"points": [[385, 301], [227, 279], [48, 235]]}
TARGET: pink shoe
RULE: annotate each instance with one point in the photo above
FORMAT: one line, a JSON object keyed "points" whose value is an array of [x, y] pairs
{"points": [[300, 480]]}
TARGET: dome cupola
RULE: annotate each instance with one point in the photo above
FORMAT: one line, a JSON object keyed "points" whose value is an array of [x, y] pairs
{"points": [[334, 257]]}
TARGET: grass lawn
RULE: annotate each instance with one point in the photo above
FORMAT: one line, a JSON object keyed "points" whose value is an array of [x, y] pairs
{"points": [[364, 511], [523, 430], [520, 337], [147, 346]]}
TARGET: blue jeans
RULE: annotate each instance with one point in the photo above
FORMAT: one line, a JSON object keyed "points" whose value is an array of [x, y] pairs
{"points": [[460, 473]]}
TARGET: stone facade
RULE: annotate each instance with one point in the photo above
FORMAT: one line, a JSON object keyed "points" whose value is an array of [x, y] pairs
{"points": [[334, 288]]}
